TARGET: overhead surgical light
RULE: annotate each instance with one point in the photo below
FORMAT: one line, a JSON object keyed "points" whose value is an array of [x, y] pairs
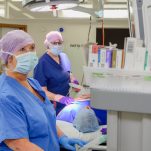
{"points": [[49, 5]]}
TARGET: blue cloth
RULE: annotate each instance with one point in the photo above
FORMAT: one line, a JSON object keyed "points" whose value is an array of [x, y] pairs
{"points": [[101, 115], [69, 112], [52, 75], [23, 115]]}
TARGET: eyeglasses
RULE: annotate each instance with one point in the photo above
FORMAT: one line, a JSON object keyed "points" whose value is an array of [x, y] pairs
{"points": [[57, 43], [27, 49]]}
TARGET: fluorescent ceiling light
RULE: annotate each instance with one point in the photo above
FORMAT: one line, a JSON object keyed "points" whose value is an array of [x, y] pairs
{"points": [[116, 14], [29, 16], [115, 6], [13, 6], [2, 12], [73, 14], [109, 14], [116, 1]]}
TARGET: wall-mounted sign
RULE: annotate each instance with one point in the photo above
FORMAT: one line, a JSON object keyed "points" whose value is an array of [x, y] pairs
{"points": [[76, 45]]}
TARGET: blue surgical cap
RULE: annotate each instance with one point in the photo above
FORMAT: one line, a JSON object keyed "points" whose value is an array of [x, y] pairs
{"points": [[86, 121]]}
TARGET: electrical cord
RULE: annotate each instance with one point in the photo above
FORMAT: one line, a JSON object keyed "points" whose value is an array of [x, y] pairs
{"points": [[103, 35], [89, 30], [87, 42]]}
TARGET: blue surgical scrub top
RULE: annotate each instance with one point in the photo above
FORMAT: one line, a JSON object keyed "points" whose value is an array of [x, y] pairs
{"points": [[50, 74], [23, 115]]}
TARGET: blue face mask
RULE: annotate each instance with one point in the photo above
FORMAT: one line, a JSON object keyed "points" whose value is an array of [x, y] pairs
{"points": [[26, 62], [55, 49]]}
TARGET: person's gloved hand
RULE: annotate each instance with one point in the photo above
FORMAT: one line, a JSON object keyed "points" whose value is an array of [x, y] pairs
{"points": [[64, 99], [75, 81], [69, 143], [104, 131]]}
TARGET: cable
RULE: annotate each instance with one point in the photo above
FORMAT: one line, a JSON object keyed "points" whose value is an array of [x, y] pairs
{"points": [[129, 18], [103, 39], [89, 30], [82, 79], [87, 42]]}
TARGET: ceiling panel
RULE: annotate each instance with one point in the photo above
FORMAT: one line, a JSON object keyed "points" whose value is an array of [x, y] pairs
{"points": [[15, 9]]}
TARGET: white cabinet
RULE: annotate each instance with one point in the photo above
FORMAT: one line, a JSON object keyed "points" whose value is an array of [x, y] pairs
{"points": [[128, 101]]}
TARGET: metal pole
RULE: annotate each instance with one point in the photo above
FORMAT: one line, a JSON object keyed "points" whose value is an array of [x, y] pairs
{"points": [[129, 18]]}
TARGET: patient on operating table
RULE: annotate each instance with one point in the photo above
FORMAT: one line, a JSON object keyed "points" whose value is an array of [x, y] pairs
{"points": [[69, 112], [79, 121]]}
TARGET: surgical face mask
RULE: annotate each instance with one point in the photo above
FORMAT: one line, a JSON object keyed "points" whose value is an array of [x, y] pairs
{"points": [[26, 62], [55, 49]]}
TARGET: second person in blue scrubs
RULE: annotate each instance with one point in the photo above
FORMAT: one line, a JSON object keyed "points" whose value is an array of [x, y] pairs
{"points": [[53, 71]]}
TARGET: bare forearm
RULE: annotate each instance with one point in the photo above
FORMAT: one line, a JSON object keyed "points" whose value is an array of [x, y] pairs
{"points": [[50, 95], [22, 145], [59, 132]]}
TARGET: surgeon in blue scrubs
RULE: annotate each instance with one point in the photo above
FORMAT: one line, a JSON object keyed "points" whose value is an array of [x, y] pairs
{"points": [[27, 117], [53, 71]]}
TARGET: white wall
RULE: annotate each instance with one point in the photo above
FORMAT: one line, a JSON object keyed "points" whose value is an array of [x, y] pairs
{"points": [[75, 32]]}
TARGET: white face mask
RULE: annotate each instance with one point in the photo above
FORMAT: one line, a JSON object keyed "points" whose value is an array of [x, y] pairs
{"points": [[25, 62], [55, 49]]}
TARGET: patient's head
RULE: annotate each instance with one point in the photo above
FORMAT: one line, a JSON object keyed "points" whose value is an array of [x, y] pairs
{"points": [[86, 121]]}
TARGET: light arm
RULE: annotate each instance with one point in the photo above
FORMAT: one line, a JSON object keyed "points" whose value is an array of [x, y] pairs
{"points": [[22, 145]]}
